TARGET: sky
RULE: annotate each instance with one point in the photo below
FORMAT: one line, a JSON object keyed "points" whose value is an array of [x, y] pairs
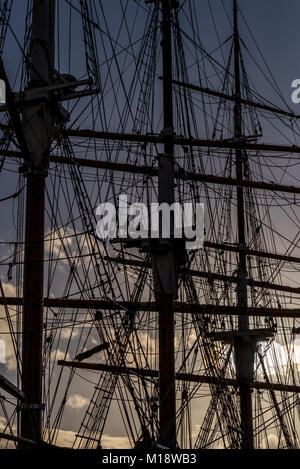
{"points": [[275, 27]]}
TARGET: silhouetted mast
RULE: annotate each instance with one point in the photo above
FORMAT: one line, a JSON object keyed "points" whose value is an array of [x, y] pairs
{"points": [[244, 351], [37, 128], [121, 315], [163, 255]]}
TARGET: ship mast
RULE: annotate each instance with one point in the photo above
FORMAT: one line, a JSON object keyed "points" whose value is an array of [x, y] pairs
{"points": [[37, 128], [167, 255], [163, 255], [244, 346]]}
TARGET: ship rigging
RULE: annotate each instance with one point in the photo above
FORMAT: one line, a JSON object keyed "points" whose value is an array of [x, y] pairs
{"points": [[145, 340]]}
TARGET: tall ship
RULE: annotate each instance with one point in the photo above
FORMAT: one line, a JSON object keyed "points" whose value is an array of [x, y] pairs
{"points": [[146, 342]]}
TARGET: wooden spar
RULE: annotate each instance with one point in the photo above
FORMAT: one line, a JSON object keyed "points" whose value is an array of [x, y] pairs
{"points": [[183, 175], [210, 275], [209, 309], [9, 387], [152, 171], [17, 439], [182, 141], [252, 252], [228, 97], [188, 377], [89, 353]]}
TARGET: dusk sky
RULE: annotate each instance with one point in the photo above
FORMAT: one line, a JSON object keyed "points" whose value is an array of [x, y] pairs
{"points": [[274, 27]]}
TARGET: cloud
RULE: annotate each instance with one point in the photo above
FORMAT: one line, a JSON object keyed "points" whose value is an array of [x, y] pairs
{"points": [[59, 355], [195, 430], [115, 442], [271, 442], [76, 401], [10, 359], [281, 356], [66, 332], [66, 438]]}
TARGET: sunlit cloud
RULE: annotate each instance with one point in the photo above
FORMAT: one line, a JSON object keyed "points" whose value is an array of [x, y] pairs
{"points": [[59, 355], [66, 438], [67, 332], [10, 358], [280, 357], [76, 401]]}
